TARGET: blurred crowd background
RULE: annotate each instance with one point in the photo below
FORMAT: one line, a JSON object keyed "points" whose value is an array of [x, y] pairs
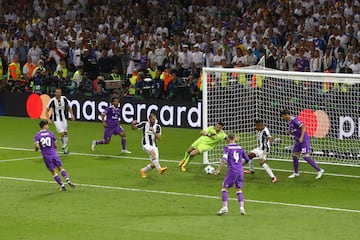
{"points": [[156, 49]]}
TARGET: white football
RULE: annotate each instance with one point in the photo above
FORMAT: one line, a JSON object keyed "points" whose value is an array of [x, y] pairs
{"points": [[209, 169]]}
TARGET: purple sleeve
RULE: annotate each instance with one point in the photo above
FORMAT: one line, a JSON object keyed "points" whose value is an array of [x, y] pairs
{"points": [[297, 123]]}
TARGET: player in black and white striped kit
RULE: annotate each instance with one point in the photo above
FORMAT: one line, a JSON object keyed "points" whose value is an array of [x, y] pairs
{"points": [[59, 107], [151, 132], [263, 140]]}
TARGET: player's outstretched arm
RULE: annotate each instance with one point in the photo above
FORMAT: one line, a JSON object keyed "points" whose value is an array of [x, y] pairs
{"points": [[133, 124], [218, 170]]}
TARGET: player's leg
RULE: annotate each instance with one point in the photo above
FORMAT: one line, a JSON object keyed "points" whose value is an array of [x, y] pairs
{"points": [[50, 164], [239, 185], [187, 154], [193, 153], [65, 175], [123, 140], [296, 153], [224, 199], [60, 129], [307, 157], [108, 132], [251, 155], [66, 138], [262, 160]]}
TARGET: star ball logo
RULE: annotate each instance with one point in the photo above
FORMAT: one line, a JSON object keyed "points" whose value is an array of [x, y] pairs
{"points": [[317, 122], [36, 105]]}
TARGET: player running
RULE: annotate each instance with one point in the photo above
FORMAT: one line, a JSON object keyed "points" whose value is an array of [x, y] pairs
{"points": [[210, 137], [110, 118], [234, 156], [301, 144], [263, 140], [46, 142], [151, 132]]}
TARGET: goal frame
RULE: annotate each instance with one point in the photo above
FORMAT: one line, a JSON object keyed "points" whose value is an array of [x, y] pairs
{"points": [[265, 72]]}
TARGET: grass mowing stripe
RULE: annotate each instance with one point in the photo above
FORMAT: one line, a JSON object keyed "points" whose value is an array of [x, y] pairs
{"points": [[187, 195], [167, 160]]}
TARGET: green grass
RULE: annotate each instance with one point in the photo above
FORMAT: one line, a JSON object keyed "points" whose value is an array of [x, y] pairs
{"points": [[111, 201]]}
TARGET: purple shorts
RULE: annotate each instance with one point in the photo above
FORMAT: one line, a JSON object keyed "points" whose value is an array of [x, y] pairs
{"points": [[232, 178], [303, 147], [52, 161], [109, 131]]}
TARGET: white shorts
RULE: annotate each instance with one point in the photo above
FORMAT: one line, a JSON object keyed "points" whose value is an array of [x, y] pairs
{"points": [[147, 148], [61, 126], [259, 153]]}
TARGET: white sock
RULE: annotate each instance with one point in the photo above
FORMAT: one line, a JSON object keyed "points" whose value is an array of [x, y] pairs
{"points": [[156, 163], [65, 140], [268, 170], [251, 165], [147, 168]]}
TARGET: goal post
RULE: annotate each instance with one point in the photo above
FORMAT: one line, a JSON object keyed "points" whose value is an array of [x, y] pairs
{"points": [[327, 103]]}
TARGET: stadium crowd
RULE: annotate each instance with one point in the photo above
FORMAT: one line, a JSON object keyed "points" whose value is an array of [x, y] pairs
{"points": [[156, 49]]}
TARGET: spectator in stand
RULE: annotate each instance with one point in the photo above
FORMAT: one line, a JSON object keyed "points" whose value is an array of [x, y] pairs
{"points": [[21, 51], [86, 85], [355, 66], [158, 86], [173, 87], [34, 52], [100, 92], [105, 63], [28, 69], [302, 62], [14, 70]]}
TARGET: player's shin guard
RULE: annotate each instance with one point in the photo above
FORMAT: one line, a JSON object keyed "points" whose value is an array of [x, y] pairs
{"points": [[156, 163], [251, 165], [187, 160], [310, 161], [147, 168], [224, 198], [58, 180], [240, 198], [123, 143], [268, 170], [64, 174], [296, 164], [65, 141]]}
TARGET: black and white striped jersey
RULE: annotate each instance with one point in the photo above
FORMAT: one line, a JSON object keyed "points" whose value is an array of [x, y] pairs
{"points": [[263, 139], [148, 137], [59, 108]]}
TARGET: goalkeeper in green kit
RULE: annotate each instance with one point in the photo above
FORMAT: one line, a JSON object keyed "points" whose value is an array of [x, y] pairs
{"points": [[207, 141]]}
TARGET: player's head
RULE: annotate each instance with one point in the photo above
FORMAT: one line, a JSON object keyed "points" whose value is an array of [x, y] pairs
{"points": [[44, 124], [285, 114], [115, 101], [219, 126], [231, 138], [259, 124], [152, 118], [58, 92]]}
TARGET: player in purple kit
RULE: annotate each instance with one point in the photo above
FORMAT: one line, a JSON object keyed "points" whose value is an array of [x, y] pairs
{"points": [[110, 118], [301, 144], [234, 156], [46, 142]]}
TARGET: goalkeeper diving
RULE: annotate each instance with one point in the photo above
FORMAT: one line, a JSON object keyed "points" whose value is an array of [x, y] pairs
{"points": [[209, 138]]}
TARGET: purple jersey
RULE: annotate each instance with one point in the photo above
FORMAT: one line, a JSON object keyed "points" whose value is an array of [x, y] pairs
{"points": [[112, 116], [233, 155], [295, 129], [46, 140]]}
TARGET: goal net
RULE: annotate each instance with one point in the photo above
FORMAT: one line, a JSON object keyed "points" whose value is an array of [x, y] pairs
{"points": [[328, 104]]}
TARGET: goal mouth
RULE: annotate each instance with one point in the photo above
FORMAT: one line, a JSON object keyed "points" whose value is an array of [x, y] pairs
{"points": [[328, 104]]}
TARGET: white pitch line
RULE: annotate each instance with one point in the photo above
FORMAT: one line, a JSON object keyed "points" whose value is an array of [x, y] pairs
{"points": [[167, 160], [19, 159], [187, 195]]}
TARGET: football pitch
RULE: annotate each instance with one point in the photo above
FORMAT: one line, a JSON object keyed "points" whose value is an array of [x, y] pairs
{"points": [[111, 201]]}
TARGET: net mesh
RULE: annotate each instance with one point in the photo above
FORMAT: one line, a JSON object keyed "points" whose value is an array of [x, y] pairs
{"points": [[328, 105]]}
